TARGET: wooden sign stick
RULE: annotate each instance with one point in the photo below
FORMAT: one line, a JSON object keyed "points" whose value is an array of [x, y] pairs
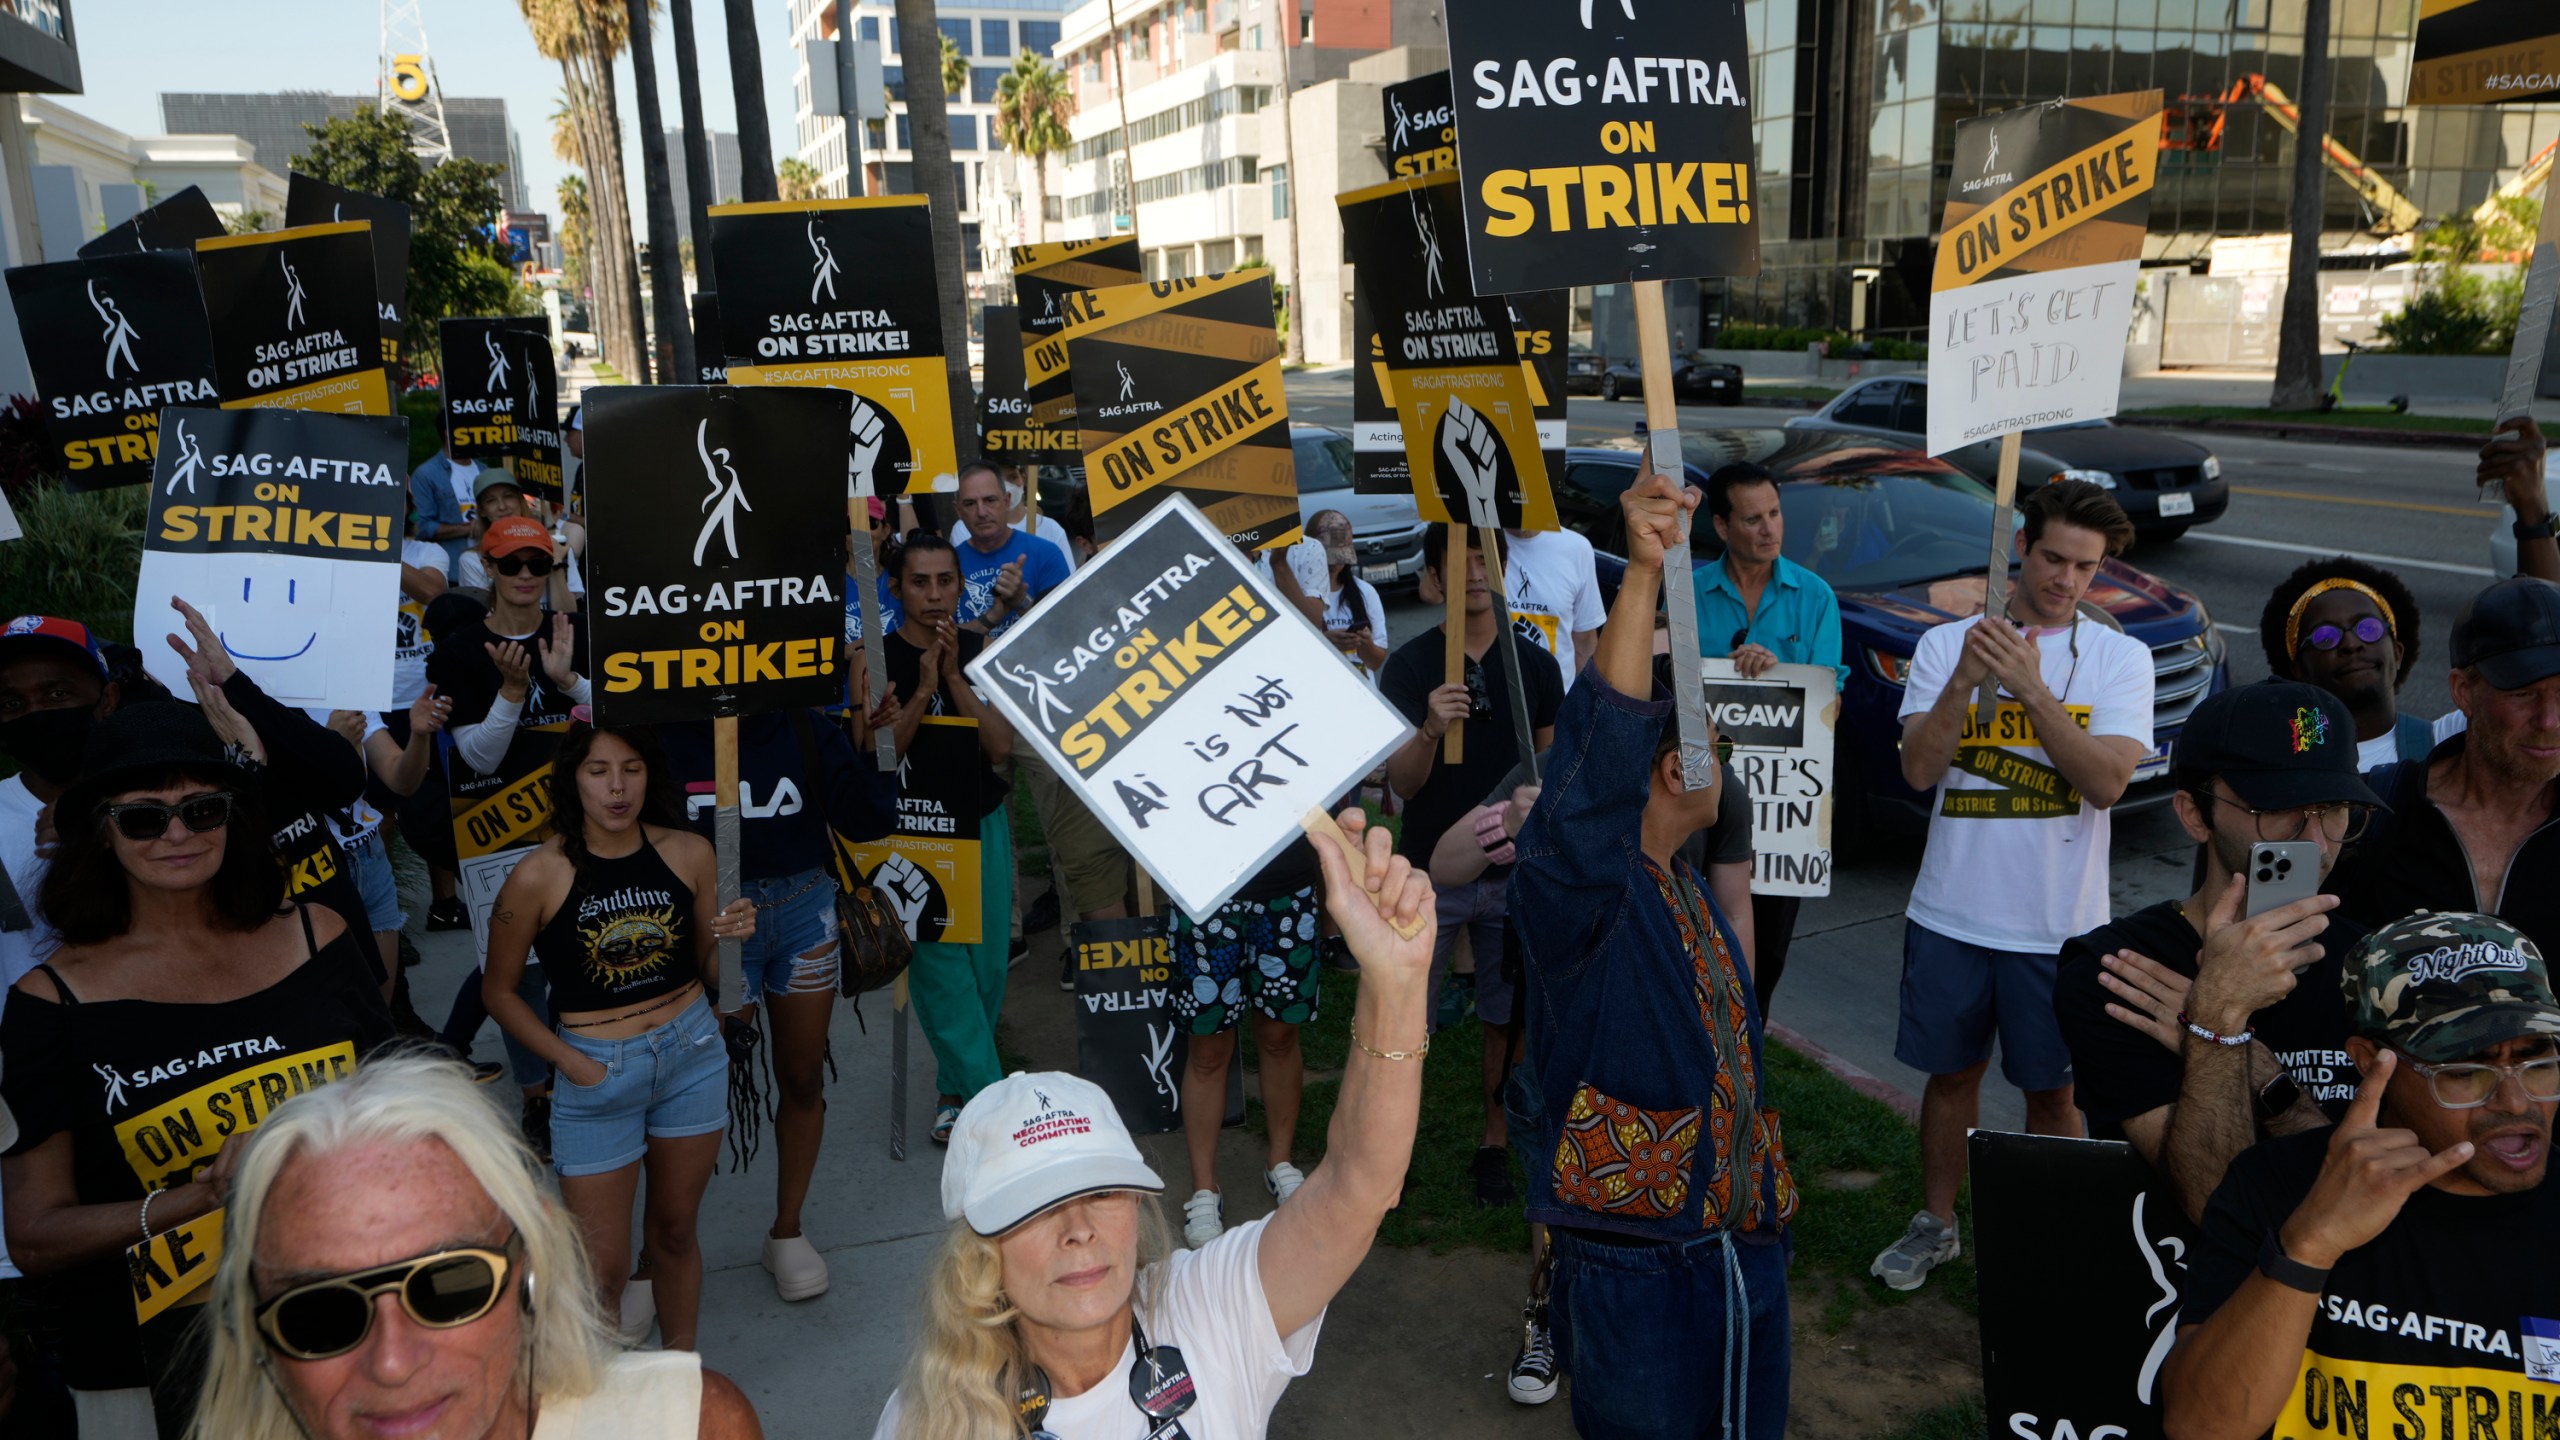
{"points": [[724, 844], [1679, 597], [1453, 585], [1995, 581], [1318, 822]]}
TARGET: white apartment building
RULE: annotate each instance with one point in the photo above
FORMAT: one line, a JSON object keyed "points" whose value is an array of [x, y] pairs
{"points": [[91, 175]]}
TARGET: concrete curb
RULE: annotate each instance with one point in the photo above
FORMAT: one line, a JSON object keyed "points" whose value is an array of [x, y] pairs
{"points": [[2334, 434], [1874, 1088]]}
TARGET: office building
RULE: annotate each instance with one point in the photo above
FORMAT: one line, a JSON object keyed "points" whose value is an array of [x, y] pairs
{"points": [[723, 156], [273, 126], [39, 55]]}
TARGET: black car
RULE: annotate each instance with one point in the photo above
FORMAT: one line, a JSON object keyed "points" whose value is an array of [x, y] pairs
{"points": [[1582, 370], [2164, 482], [1695, 380]]}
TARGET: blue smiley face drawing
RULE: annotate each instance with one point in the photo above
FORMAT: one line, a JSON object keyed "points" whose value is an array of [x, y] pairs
{"points": [[253, 603], [274, 620]]}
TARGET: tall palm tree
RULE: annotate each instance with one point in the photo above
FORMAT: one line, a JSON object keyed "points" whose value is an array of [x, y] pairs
{"points": [[746, 85], [929, 137], [674, 352], [795, 179], [575, 238], [583, 37], [1032, 106], [699, 194], [955, 69]]}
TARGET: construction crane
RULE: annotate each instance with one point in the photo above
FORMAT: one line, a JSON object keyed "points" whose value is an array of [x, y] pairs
{"points": [[405, 85], [2528, 183], [2393, 213]]}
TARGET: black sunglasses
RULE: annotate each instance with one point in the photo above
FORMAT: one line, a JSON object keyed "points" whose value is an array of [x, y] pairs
{"points": [[2370, 630], [149, 819], [519, 564], [441, 1291]]}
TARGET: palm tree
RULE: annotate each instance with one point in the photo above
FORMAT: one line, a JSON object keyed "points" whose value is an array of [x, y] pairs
{"points": [[955, 69], [699, 196], [583, 37], [575, 237], [929, 127], [746, 84], [666, 253], [1032, 106], [796, 179], [2297, 384]]}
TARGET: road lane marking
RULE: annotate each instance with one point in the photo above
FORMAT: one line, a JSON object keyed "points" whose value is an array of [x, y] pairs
{"points": [[2400, 561], [2235, 629], [2468, 512]]}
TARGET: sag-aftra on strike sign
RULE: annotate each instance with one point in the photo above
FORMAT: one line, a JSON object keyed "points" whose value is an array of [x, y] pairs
{"points": [[1603, 140]]}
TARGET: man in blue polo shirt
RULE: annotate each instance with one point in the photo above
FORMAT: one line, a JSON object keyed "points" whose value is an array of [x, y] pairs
{"points": [[1759, 608], [1003, 572]]}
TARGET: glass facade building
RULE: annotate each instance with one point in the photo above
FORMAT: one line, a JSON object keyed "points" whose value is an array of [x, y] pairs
{"points": [[1858, 101]]}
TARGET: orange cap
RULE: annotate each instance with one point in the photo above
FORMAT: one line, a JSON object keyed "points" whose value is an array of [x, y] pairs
{"points": [[512, 534]]}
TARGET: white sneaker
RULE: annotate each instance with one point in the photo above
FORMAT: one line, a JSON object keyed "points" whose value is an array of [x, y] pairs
{"points": [[1283, 1180], [799, 1272], [1203, 1218], [639, 1311], [1927, 1243]]}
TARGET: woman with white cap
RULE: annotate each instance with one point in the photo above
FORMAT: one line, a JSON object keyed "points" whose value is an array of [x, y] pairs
{"points": [[1054, 1308]]}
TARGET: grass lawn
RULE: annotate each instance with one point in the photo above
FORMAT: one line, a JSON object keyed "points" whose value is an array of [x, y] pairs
{"points": [[2447, 424], [606, 374]]}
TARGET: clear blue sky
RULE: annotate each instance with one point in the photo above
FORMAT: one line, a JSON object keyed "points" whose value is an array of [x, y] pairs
{"points": [[132, 50]]}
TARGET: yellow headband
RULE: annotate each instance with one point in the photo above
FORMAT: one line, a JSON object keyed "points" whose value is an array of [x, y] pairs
{"points": [[2293, 619]]}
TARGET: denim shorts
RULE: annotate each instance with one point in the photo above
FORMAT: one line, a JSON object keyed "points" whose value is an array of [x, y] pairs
{"points": [[375, 882], [1956, 995], [795, 914], [664, 1084]]}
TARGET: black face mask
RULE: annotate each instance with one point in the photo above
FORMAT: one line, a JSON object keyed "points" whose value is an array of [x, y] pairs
{"points": [[47, 743]]}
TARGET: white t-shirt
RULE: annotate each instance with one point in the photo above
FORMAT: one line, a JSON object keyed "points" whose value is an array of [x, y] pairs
{"points": [[473, 572], [21, 949], [1047, 529], [2382, 749], [1356, 603], [2450, 724], [2025, 882], [1555, 592], [466, 483], [1215, 1313], [410, 643]]}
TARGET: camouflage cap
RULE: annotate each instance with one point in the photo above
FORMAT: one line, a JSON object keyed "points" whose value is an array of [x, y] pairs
{"points": [[2445, 986]]}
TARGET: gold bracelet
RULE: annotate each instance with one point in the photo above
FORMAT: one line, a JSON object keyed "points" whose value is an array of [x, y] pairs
{"points": [[1376, 1054]]}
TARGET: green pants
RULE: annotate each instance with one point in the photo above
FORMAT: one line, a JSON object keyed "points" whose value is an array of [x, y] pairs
{"points": [[959, 989]]}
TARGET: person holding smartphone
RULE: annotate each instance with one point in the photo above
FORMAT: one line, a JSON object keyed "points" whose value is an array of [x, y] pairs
{"points": [[2199, 1026]]}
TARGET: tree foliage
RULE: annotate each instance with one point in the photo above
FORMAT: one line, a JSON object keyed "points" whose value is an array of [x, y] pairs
{"points": [[2456, 310], [955, 68], [796, 179]]}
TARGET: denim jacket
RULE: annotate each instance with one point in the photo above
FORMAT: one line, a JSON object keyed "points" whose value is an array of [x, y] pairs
{"points": [[1628, 1091]]}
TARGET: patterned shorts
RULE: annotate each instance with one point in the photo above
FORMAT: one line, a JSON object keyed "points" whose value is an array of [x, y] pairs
{"points": [[1258, 950]]}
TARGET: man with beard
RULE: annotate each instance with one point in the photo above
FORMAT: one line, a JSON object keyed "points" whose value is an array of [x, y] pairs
{"points": [[2469, 827], [2195, 1032], [2404, 1258], [2351, 629]]}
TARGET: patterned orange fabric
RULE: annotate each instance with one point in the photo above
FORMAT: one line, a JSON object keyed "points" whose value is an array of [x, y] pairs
{"points": [[1718, 981], [1621, 1159]]}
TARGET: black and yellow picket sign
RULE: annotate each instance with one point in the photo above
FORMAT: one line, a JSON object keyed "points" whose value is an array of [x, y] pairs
{"points": [[2050, 187], [501, 401], [927, 869], [1452, 359], [1044, 279], [176, 223], [111, 341], [1178, 391], [295, 323], [1604, 142], [842, 293], [2485, 52], [1378, 462], [1422, 125], [1007, 430], [310, 201]]}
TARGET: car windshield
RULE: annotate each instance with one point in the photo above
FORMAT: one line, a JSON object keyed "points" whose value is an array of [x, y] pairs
{"points": [[1324, 460], [1877, 532]]}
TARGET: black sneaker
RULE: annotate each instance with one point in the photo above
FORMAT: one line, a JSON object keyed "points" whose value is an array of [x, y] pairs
{"points": [[1067, 969], [1493, 1177], [1533, 1370], [537, 1125], [1043, 914], [448, 915], [409, 956]]}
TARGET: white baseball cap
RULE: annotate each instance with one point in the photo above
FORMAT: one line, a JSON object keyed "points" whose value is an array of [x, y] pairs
{"points": [[1030, 1141]]}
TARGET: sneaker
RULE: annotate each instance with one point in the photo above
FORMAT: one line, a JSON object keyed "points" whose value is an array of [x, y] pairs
{"points": [[1492, 1169], [1928, 1243], [1042, 914], [1533, 1371], [1067, 969], [1283, 1180], [944, 1117], [799, 1272], [486, 1072], [639, 1311], [1204, 1218], [410, 959], [1020, 952], [537, 1125], [448, 915]]}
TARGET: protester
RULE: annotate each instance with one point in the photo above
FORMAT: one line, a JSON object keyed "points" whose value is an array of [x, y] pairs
{"points": [[424, 813], [176, 943], [500, 498], [2017, 853], [2195, 1032], [443, 496], [1056, 1281], [1354, 619], [2352, 629], [958, 988], [1438, 790], [1003, 572], [1017, 490], [397, 1266], [1669, 1235], [1552, 580], [798, 780], [2468, 828], [2399, 1246], [620, 902], [2515, 461], [1758, 608]]}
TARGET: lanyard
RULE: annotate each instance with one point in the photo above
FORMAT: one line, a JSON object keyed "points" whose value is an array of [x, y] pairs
{"points": [[1159, 1385]]}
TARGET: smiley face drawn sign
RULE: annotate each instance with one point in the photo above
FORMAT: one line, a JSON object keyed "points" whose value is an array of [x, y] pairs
{"points": [[279, 616]]}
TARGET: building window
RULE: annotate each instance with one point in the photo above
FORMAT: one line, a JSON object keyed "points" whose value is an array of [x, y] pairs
{"points": [[893, 78], [1039, 36], [1279, 177], [983, 80], [869, 28], [1253, 37], [957, 31], [994, 38], [905, 141], [964, 132]]}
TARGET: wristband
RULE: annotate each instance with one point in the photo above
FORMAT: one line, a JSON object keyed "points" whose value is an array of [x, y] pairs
{"points": [[2287, 1271], [2548, 527], [1495, 840], [2201, 1033]]}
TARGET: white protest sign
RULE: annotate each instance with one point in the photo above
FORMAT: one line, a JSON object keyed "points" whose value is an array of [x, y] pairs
{"points": [[1781, 728], [1187, 704]]}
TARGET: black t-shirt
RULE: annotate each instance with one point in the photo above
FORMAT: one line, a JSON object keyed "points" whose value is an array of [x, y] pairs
{"points": [[1417, 668], [2426, 1333], [149, 1092], [2410, 860], [2120, 1073], [906, 668], [623, 935], [311, 772], [463, 673]]}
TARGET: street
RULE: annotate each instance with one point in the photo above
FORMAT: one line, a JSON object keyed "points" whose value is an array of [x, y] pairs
{"points": [[2409, 508]]}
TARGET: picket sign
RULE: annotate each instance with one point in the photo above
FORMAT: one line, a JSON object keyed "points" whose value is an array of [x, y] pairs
{"points": [[1995, 581], [1679, 598]]}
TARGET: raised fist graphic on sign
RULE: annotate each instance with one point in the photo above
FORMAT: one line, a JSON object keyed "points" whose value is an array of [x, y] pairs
{"points": [[1473, 452]]}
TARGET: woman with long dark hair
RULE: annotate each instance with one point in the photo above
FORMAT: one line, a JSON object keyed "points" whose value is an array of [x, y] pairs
{"points": [[620, 904], [187, 1002]]}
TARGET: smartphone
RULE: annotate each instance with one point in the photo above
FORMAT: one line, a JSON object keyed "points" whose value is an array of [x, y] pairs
{"points": [[2281, 872]]}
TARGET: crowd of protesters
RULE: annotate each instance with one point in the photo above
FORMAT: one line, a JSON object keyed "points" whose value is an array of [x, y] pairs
{"points": [[251, 1193]]}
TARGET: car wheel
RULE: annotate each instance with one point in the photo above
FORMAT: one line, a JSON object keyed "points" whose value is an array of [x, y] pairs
{"points": [[1609, 388]]}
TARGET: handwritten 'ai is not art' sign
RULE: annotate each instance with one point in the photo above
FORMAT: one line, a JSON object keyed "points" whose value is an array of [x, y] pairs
{"points": [[1187, 704]]}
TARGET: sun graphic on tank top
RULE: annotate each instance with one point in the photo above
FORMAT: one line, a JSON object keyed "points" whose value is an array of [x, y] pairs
{"points": [[629, 944]]}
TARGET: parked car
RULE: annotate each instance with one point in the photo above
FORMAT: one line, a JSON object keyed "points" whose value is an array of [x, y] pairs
{"points": [[2164, 482], [1904, 541], [1582, 367], [1695, 380]]}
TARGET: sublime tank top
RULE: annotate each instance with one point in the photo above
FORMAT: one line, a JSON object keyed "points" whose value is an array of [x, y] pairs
{"points": [[623, 937]]}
